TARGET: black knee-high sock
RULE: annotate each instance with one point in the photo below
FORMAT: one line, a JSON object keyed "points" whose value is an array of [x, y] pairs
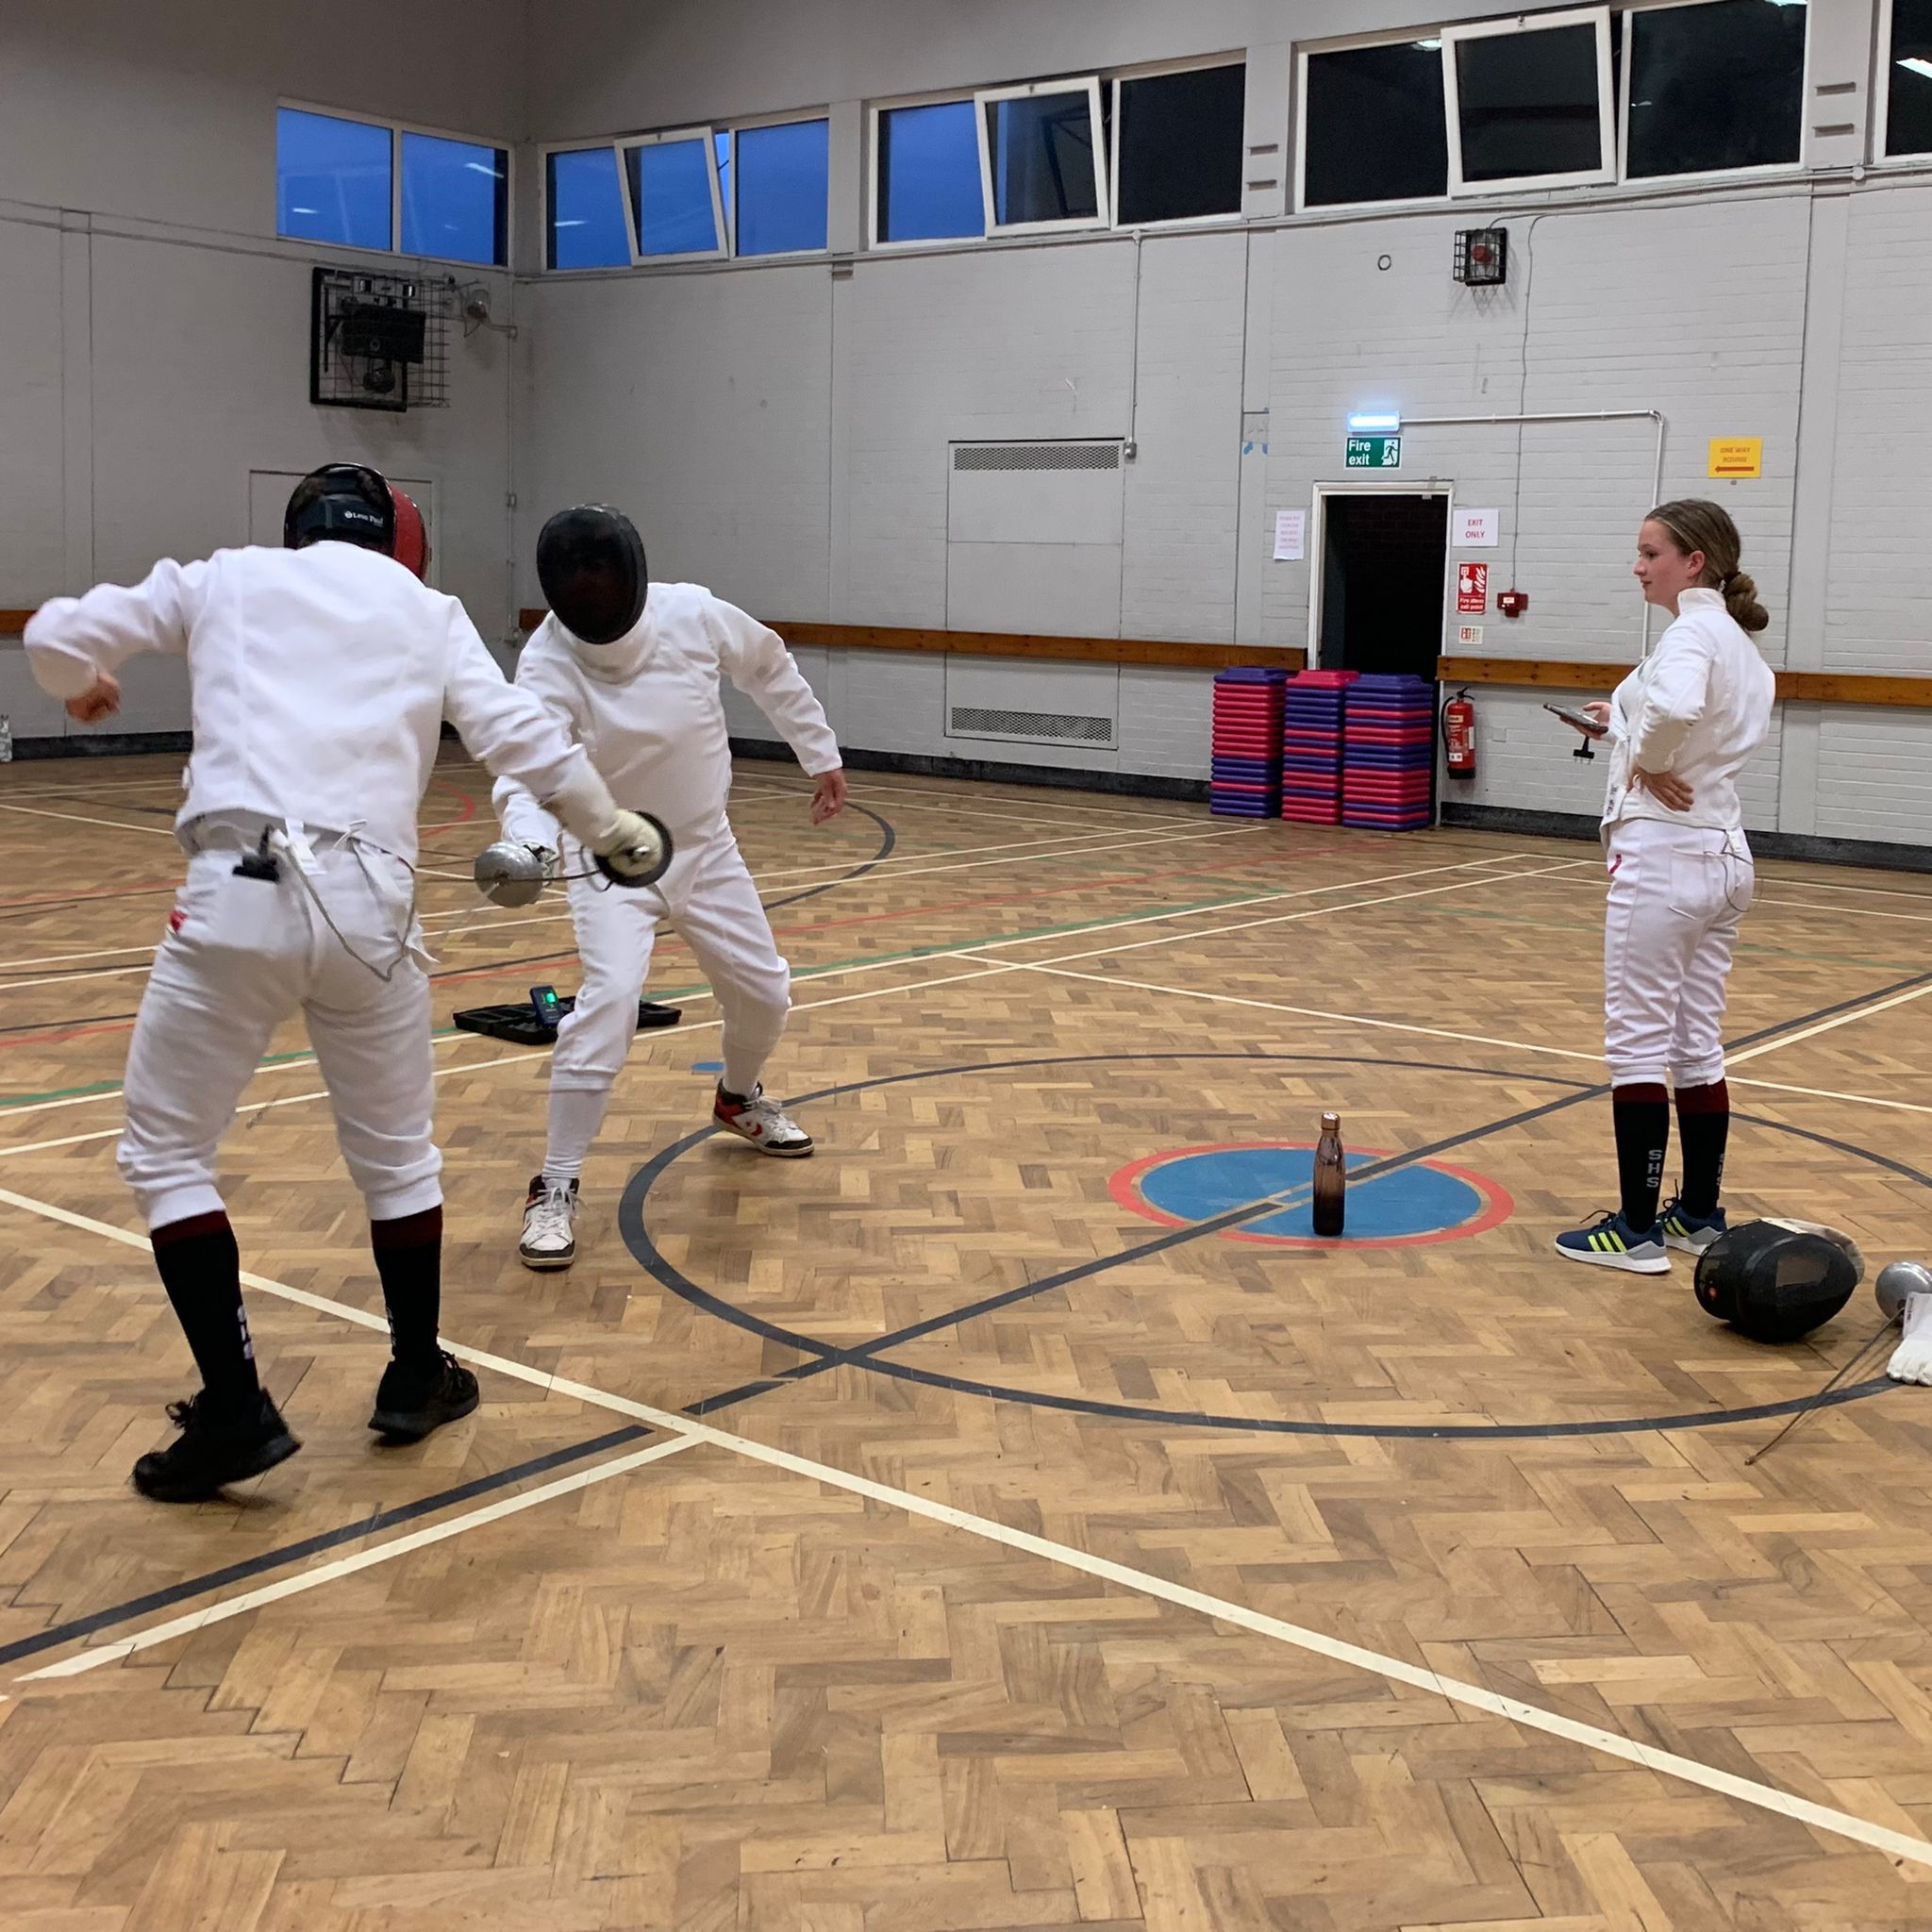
{"points": [[1642, 1118], [1704, 1130], [201, 1267], [408, 1256]]}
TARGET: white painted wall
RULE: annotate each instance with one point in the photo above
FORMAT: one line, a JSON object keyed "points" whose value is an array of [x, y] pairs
{"points": [[781, 430], [153, 331], [1713, 304]]}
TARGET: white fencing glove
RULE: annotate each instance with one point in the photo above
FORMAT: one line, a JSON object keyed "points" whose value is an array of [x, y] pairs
{"points": [[1911, 1360]]}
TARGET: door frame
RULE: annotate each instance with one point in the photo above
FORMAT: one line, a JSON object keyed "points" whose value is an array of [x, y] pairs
{"points": [[1318, 546]]}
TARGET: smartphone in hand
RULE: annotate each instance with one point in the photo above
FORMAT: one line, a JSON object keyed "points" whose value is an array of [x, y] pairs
{"points": [[1581, 720]]}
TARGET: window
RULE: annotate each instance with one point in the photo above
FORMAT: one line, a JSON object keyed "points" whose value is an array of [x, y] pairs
{"points": [[1040, 156], [674, 195], [720, 146], [455, 199], [586, 227], [927, 161], [782, 187], [334, 179], [1178, 144], [353, 182], [1529, 102], [1374, 127], [1908, 98], [1715, 87]]}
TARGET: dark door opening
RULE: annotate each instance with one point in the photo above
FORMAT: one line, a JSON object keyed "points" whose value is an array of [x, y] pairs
{"points": [[1383, 562]]}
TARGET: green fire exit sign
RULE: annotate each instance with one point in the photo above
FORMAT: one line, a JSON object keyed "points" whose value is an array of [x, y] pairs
{"points": [[1374, 453]]}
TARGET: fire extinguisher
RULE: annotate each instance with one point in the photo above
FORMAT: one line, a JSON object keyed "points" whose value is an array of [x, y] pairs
{"points": [[1459, 735]]}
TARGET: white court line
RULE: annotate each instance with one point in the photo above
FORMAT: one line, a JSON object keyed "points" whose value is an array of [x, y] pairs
{"points": [[837, 867], [75, 818], [1899, 999], [1895, 1844], [1829, 912], [535, 1053], [1228, 999], [961, 951], [1596, 1059], [363, 1559], [863, 788]]}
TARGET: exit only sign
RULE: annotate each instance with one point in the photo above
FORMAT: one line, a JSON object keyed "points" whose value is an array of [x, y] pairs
{"points": [[1374, 453]]}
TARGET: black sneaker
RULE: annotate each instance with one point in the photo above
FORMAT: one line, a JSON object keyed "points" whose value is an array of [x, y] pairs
{"points": [[409, 1402], [215, 1449]]}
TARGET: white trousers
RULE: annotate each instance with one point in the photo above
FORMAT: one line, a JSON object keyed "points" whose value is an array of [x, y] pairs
{"points": [[709, 896], [1677, 896], [242, 956]]}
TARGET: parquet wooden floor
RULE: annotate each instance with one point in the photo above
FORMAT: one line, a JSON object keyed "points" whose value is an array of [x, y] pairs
{"points": [[943, 1533]]}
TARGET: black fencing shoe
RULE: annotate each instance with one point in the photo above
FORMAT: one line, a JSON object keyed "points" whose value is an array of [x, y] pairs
{"points": [[411, 1401], [216, 1448]]}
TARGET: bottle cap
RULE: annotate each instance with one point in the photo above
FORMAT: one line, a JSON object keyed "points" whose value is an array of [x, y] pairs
{"points": [[1331, 1122]]}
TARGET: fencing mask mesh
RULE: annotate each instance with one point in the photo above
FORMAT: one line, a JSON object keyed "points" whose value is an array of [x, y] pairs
{"points": [[1774, 1283], [590, 562]]}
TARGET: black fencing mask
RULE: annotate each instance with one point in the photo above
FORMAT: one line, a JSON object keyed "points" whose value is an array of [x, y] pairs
{"points": [[590, 562], [1773, 1282]]}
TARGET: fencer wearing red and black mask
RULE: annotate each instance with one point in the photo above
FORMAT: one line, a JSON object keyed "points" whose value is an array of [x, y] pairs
{"points": [[634, 666], [320, 674]]}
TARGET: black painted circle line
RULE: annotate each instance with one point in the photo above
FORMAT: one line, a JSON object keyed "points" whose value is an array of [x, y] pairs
{"points": [[630, 1219], [889, 838]]}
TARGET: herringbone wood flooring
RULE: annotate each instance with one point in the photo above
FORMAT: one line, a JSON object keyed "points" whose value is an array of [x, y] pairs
{"points": [[720, 1694]]}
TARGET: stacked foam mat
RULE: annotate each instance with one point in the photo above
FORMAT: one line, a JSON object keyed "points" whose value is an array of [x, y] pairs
{"points": [[1311, 746], [1389, 753], [1246, 754]]}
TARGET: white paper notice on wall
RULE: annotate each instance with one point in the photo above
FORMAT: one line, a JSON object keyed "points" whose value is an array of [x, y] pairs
{"points": [[1475, 530], [1290, 529], [1468, 637]]}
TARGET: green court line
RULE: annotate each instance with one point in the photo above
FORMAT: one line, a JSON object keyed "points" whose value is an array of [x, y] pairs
{"points": [[1045, 932], [674, 992]]}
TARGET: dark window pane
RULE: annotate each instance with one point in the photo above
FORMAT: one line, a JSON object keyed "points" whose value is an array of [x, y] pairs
{"points": [[1180, 144], [332, 179], [782, 187], [455, 199], [1375, 125], [1720, 86], [928, 163], [586, 226], [671, 193], [1041, 153], [1908, 111], [1528, 104]]}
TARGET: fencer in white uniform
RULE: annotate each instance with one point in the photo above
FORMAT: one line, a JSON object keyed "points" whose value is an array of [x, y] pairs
{"points": [[634, 666], [1682, 726], [319, 676]]}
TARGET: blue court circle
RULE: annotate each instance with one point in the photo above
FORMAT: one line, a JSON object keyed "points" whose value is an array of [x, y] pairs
{"points": [[1426, 1202]]}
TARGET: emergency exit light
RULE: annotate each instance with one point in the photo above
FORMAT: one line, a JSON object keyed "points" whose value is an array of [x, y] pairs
{"points": [[1385, 424]]}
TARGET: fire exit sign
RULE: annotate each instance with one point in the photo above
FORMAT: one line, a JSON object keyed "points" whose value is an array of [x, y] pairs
{"points": [[1374, 453]]}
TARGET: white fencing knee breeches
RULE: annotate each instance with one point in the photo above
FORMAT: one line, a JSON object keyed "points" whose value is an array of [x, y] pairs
{"points": [[710, 897], [243, 956], [1677, 896]]}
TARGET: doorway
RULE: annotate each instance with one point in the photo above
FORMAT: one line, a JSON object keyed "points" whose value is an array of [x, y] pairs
{"points": [[1379, 585]]}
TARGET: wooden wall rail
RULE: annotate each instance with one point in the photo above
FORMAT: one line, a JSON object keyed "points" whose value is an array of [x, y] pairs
{"points": [[13, 621], [1797, 686], [993, 643]]}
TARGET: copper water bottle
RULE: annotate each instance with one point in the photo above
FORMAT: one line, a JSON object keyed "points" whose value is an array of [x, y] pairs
{"points": [[1331, 1178]]}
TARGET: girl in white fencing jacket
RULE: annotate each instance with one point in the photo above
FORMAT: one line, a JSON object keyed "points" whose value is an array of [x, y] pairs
{"points": [[1682, 726]]}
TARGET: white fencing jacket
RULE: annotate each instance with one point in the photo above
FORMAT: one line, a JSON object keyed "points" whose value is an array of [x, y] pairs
{"points": [[1697, 707], [648, 709], [320, 679]]}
